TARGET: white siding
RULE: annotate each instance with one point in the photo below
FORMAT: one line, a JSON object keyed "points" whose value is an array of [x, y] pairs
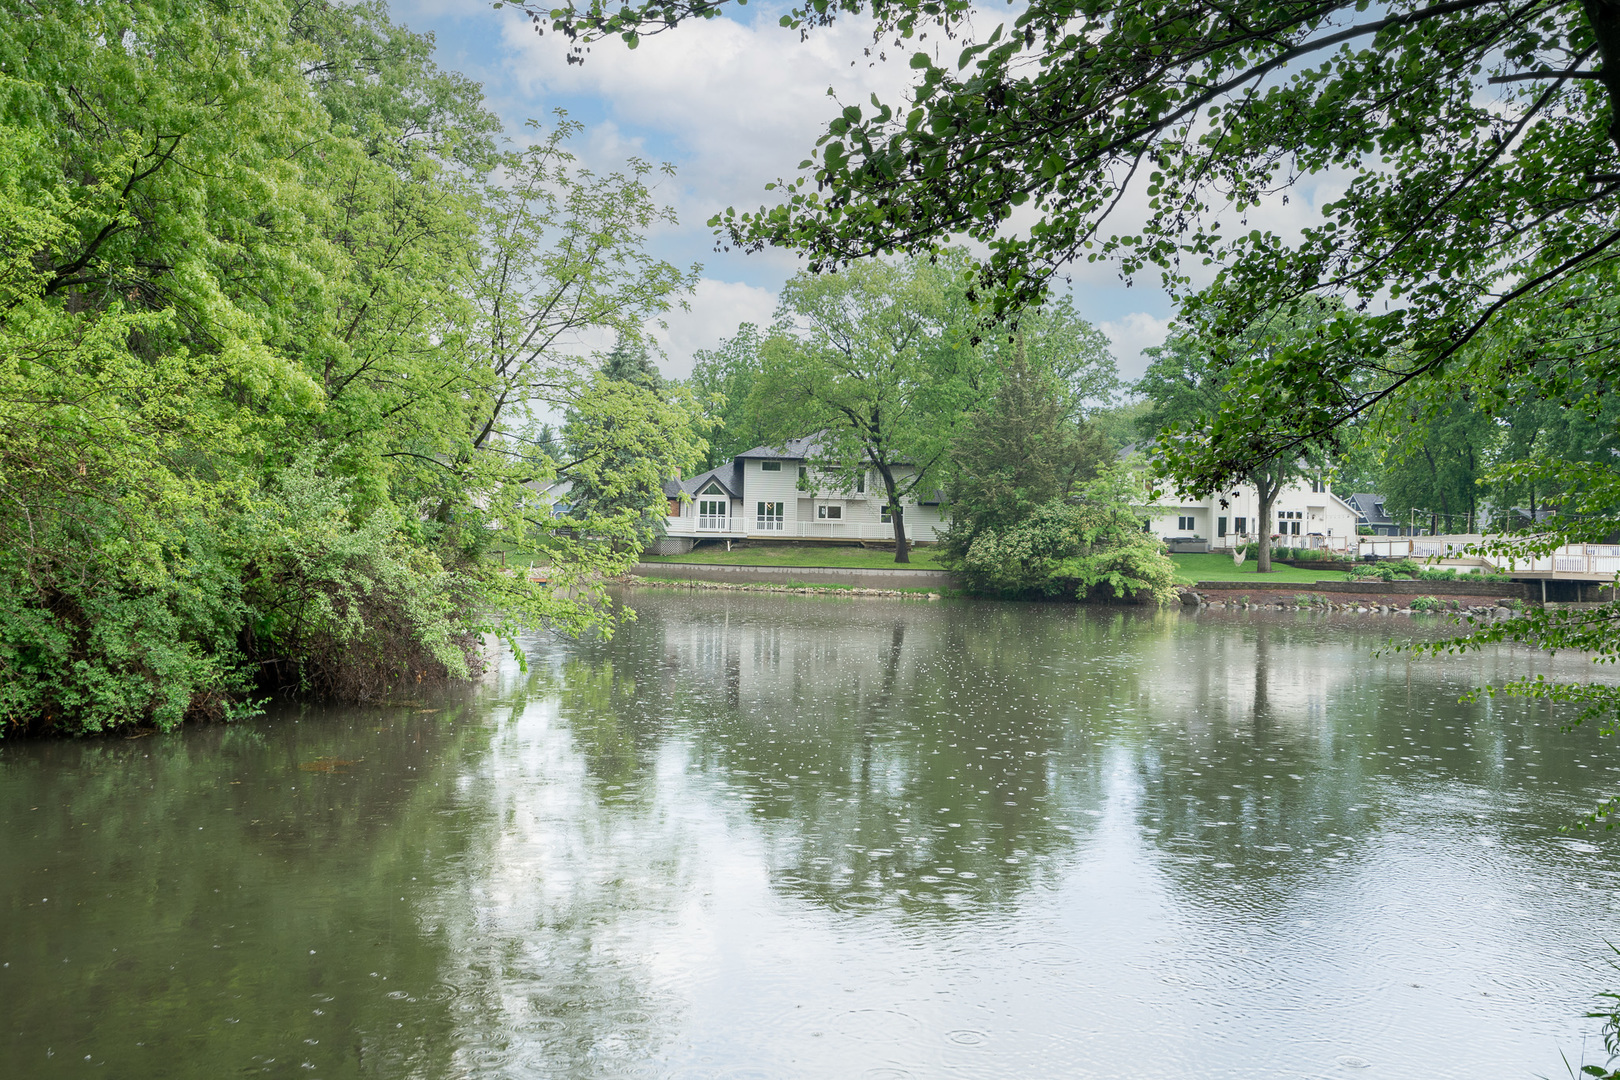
{"points": [[760, 486], [861, 512], [1321, 513]]}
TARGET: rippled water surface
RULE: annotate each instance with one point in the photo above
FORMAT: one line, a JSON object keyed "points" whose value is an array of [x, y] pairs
{"points": [[759, 836]]}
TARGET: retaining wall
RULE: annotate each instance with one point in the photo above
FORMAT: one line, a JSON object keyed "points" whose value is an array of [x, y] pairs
{"points": [[856, 577], [1493, 589]]}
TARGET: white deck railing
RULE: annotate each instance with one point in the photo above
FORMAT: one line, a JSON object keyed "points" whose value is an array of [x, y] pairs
{"points": [[752, 525], [1587, 560]]}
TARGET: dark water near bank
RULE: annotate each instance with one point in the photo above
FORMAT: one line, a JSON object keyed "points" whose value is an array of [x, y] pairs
{"points": [[760, 836]]}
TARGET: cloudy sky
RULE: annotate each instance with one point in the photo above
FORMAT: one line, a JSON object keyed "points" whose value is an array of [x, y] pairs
{"points": [[733, 103]]}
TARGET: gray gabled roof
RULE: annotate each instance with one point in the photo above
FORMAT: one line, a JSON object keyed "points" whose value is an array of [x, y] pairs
{"points": [[1370, 507], [726, 476]]}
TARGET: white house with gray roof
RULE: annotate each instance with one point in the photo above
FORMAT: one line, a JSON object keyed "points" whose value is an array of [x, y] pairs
{"points": [[779, 493]]}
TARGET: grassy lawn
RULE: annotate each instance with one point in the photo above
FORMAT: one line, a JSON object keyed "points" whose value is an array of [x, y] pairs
{"points": [[1217, 567], [922, 558], [1189, 568]]}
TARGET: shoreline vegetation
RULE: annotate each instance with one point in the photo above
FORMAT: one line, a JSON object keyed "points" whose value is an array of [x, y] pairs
{"points": [[1267, 596], [319, 318], [279, 304], [1189, 569]]}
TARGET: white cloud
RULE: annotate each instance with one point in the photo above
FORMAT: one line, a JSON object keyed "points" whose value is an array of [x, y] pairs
{"points": [[717, 308], [1130, 335], [737, 104], [744, 102]]}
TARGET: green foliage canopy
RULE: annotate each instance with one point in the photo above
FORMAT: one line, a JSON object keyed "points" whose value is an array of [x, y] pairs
{"points": [[880, 360], [278, 318], [1091, 547], [1477, 141], [1187, 382], [1018, 451]]}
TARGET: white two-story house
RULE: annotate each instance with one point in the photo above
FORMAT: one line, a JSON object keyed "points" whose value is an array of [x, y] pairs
{"points": [[778, 493], [1302, 510]]}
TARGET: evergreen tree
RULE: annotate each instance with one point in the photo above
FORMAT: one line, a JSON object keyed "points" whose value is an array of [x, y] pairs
{"points": [[629, 361], [1017, 452]]}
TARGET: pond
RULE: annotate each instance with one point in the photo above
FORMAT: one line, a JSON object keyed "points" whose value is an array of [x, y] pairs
{"points": [[758, 836]]}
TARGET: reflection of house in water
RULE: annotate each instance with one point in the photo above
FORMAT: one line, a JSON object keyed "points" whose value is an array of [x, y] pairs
{"points": [[1249, 672], [856, 653]]}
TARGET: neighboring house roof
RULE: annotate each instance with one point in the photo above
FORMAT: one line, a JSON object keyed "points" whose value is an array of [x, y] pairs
{"points": [[554, 489], [1371, 508], [1346, 503], [730, 475]]}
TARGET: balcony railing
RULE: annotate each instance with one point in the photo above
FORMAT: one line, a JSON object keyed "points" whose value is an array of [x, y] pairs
{"points": [[751, 525]]}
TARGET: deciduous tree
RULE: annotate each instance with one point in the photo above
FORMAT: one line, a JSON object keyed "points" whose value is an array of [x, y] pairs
{"points": [[726, 374], [275, 335], [879, 360], [1187, 384]]}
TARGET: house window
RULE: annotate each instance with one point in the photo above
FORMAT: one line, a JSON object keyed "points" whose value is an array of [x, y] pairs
{"points": [[1240, 526], [1317, 486], [711, 513], [883, 514], [830, 513], [1220, 526], [769, 516], [770, 466], [860, 481], [804, 475], [1295, 524], [1185, 523]]}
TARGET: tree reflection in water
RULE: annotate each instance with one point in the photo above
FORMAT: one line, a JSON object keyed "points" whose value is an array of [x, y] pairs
{"points": [[818, 836]]}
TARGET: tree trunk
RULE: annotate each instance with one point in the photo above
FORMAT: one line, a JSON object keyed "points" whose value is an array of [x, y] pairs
{"points": [[1604, 18], [1266, 487], [897, 516]]}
